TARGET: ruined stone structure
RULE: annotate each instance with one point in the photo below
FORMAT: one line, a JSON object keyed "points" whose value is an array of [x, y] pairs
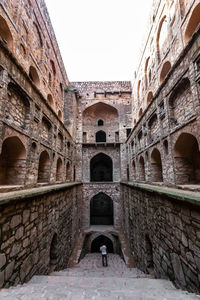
{"points": [[83, 163]]}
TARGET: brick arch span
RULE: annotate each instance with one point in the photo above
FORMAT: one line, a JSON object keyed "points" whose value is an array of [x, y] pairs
{"points": [[99, 234], [106, 103]]}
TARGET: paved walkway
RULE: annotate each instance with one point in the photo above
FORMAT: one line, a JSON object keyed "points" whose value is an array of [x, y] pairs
{"points": [[90, 281]]}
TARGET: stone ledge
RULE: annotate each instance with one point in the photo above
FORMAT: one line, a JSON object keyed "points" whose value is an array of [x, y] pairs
{"points": [[6, 198], [186, 196]]}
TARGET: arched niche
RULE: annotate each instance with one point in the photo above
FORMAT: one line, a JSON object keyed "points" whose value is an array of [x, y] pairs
{"points": [[68, 172], [149, 97], [5, 33], [50, 100], [187, 159], [60, 116], [59, 170], [101, 210], [99, 241], [141, 171], [44, 167], [100, 111], [165, 70], [156, 166], [33, 74], [193, 23], [12, 162], [17, 101], [101, 168]]}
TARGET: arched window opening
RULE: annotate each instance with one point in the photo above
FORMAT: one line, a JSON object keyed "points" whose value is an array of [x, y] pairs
{"points": [[44, 167], [34, 76], [50, 100], [12, 162], [101, 168], [193, 23], [5, 33], [165, 70], [68, 172], [141, 172], [59, 170], [133, 171], [149, 97], [99, 241], [54, 250], [101, 210], [149, 255], [100, 136], [156, 166], [187, 159], [100, 123]]}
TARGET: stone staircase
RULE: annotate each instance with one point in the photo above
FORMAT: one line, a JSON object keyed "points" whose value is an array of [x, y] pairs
{"points": [[90, 281]]}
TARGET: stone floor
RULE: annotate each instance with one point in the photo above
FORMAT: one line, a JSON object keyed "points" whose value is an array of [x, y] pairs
{"points": [[90, 281]]}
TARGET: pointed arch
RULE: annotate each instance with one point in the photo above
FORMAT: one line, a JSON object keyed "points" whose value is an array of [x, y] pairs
{"points": [[187, 159], [44, 167], [12, 162], [165, 70], [156, 166]]}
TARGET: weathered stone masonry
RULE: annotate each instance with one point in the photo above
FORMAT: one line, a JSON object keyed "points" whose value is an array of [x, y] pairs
{"points": [[39, 228], [163, 229]]}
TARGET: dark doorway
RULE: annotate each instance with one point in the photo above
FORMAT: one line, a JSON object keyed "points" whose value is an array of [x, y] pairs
{"points": [[101, 136], [101, 168], [101, 210], [99, 241]]}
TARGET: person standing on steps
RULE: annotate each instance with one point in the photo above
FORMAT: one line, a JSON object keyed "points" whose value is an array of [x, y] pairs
{"points": [[103, 250]]}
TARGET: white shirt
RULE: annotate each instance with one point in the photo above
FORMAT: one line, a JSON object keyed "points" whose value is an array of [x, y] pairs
{"points": [[103, 250]]}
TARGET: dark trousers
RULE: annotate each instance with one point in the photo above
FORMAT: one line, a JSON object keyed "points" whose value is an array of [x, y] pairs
{"points": [[104, 260]]}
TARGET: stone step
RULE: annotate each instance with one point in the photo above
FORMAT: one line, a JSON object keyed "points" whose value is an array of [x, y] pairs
{"points": [[138, 289]]}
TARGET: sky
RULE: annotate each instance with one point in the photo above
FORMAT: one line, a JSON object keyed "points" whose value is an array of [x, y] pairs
{"points": [[99, 39]]}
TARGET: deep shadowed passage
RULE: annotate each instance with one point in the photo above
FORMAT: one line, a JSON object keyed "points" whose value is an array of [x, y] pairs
{"points": [[101, 210], [101, 168], [102, 240]]}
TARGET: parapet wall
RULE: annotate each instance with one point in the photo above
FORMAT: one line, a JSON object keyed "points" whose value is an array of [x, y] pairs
{"points": [[162, 226], [38, 229]]}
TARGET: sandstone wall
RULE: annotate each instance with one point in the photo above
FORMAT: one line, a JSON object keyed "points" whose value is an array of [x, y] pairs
{"points": [[163, 230], [38, 229], [110, 189], [164, 144]]}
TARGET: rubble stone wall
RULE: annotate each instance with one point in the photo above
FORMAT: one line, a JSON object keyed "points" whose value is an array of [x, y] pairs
{"points": [[170, 226]]}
